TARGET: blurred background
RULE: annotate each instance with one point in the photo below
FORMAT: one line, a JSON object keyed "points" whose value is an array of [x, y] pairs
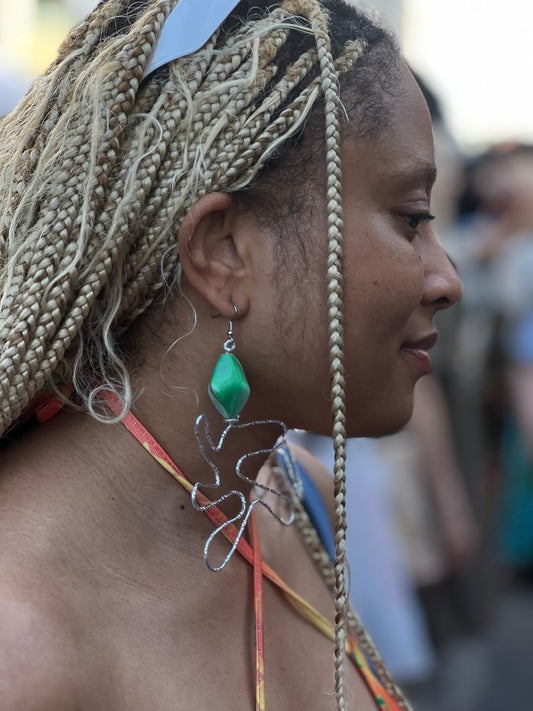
{"points": [[440, 516]]}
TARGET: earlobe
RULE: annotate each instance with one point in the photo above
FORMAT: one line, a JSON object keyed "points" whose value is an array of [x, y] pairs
{"points": [[209, 256]]}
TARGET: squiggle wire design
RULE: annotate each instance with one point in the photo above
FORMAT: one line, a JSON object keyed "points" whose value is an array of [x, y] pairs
{"points": [[207, 445]]}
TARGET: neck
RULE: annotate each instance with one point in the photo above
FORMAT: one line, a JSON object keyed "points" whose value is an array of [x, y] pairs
{"points": [[220, 456], [132, 502]]}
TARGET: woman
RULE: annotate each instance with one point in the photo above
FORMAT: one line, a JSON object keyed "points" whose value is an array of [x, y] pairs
{"points": [[141, 212]]}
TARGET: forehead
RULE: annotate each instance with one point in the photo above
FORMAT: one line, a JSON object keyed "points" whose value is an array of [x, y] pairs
{"points": [[403, 151]]}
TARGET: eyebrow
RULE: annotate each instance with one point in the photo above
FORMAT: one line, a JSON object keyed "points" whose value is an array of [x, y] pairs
{"points": [[417, 171]]}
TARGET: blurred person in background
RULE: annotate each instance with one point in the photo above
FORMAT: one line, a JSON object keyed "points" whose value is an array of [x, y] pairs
{"points": [[498, 269], [492, 243]]}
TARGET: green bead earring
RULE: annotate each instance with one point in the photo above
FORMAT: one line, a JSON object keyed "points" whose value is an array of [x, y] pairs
{"points": [[229, 392], [228, 388]]}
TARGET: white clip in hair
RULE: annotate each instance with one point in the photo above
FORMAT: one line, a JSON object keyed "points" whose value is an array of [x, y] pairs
{"points": [[190, 24]]}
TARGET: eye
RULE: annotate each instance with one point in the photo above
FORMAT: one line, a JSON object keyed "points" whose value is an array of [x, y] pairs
{"points": [[415, 220]]}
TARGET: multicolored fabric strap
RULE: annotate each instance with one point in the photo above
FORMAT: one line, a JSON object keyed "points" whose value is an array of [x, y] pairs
{"points": [[252, 553]]}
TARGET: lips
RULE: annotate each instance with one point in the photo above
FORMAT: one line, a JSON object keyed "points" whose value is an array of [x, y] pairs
{"points": [[417, 352], [422, 344]]}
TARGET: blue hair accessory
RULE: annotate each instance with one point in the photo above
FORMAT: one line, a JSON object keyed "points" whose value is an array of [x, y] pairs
{"points": [[188, 27]]}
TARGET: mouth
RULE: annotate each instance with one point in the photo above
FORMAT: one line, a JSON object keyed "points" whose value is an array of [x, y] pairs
{"points": [[422, 344], [417, 351]]}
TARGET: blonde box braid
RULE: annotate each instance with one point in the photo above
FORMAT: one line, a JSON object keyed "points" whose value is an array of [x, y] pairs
{"points": [[330, 87], [99, 167]]}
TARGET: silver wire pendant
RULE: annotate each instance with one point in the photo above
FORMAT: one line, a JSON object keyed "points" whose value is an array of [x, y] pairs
{"points": [[208, 447]]}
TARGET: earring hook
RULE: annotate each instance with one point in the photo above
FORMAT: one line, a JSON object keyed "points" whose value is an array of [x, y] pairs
{"points": [[229, 345]]}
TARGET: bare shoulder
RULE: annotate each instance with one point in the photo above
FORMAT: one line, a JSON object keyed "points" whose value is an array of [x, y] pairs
{"points": [[319, 474], [37, 658]]}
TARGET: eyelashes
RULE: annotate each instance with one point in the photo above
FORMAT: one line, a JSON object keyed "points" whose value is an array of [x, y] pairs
{"points": [[416, 219]]}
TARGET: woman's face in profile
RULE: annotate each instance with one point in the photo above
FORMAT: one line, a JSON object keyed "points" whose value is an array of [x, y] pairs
{"points": [[396, 276]]}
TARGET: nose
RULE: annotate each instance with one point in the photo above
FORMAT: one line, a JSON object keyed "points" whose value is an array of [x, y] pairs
{"points": [[442, 286]]}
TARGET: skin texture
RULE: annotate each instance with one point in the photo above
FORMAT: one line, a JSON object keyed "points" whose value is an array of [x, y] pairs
{"points": [[103, 591]]}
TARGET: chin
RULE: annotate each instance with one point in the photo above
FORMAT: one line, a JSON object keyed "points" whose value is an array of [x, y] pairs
{"points": [[378, 419], [380, 423]]}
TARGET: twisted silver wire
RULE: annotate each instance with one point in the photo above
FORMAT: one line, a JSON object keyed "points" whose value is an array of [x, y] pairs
{"points": [[207, 445]]}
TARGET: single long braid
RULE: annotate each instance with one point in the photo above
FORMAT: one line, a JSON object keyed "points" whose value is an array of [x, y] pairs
{"points": [[99, 166], [331, 91]]}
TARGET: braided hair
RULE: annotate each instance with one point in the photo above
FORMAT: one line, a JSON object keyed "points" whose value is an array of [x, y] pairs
{"points": [[99, 165]]}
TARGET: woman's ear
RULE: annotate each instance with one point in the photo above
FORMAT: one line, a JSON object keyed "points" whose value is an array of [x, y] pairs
{"points": [[209, 255]]}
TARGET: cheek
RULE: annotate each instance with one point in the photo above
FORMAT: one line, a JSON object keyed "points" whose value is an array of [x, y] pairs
{"points": [[382, 291]]}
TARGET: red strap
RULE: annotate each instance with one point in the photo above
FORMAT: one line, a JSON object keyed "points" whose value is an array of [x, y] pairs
{"points": [[53, 405], [260, 703]]}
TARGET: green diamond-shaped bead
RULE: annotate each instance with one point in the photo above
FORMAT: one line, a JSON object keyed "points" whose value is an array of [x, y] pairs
{"points": [[229, 389]]}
